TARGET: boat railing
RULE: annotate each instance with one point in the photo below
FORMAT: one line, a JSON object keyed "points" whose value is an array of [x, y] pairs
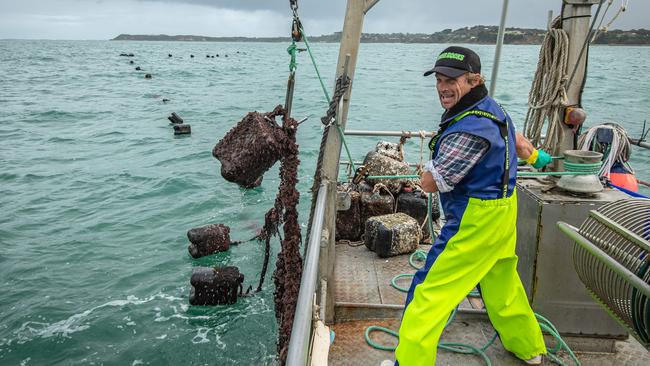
{"points": [[301, 330], [302, 321]]}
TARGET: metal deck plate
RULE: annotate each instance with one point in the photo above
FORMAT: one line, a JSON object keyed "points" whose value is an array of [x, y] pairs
{"points": [[350, 348], [363, 288], [364, 297], [362, 277]]}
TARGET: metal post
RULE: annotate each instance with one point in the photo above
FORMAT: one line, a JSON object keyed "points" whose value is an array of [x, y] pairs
{"points": [[350, 40], [576, 17], [387, 133], [497, 52], [288, 100], [640, 143], [549, 20]]}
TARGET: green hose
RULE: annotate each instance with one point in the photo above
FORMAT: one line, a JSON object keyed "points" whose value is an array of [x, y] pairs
{"points": [[393, 177], [587, 168], [571, 169], [393, 281], [421, 254], [375, 345], [448, 346], [463, 348], [544, 174], [548, 327], [429, 218], [469, 349]]}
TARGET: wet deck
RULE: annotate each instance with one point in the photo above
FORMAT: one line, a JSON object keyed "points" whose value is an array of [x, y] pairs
{"points": [[365, 297]]}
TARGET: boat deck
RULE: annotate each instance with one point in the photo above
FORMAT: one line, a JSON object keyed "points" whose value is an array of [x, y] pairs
{"points": [[365, 297]]}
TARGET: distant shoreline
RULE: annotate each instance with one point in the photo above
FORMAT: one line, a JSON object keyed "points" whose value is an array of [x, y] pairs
{"points": [[471, 35]]}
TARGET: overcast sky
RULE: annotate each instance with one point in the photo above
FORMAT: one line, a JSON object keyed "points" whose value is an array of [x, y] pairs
{"points": [[105, 19]]}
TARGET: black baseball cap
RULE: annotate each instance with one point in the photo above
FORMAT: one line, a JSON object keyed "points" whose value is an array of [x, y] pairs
{"points": [[455, 61]]}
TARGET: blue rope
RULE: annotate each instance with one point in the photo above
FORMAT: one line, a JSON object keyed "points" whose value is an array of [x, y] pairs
{"points": [[631, 193]]}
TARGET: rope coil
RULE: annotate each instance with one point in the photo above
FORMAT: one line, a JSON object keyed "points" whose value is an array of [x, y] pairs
{"points": [[548, 91], [616, 151]]}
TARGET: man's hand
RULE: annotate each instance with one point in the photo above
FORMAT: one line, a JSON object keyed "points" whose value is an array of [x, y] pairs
{"points": [[427, 182], [526, 151], [523, 146], [543, 159]]}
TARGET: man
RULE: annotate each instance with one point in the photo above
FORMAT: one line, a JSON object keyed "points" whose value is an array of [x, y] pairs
{"points": [[474, 168]]}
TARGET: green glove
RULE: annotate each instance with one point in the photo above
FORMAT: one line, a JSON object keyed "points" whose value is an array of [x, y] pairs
{"points": [[543, 159]]}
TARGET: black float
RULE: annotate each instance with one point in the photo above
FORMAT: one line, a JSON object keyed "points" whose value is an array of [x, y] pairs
{"points": [[215, 286], [208, 239], [182, 129], [174, 118], [263, 139]]}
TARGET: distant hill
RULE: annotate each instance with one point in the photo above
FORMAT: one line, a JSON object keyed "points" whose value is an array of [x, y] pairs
{"points": [[479, 34], [189, 38]]}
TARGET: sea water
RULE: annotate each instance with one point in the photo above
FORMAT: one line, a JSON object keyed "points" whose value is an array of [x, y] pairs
{"points": [[97, 193]]}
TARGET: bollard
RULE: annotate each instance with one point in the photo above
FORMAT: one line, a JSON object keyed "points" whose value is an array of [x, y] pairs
{"points": [[208, 239], [215, 286], [182, 129]]}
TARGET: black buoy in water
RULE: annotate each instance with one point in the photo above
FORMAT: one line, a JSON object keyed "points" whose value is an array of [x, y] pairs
{"points": [[131, 62], [175, 118], [209, 239], [215, 286], [191, 56], [165, 100], [147, 76], [169, 55], [138, 68], [182, 129]]}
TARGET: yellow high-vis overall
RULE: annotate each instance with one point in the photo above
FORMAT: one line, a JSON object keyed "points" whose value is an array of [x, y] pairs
{"points": [[476, 246]]}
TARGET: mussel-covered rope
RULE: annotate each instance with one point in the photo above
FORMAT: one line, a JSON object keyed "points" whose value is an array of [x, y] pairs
{"points": [[341, 87], [288, 269]]}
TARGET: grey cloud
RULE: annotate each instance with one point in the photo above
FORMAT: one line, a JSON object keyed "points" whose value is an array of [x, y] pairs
{"points": [[427, 16], [102, 19]]}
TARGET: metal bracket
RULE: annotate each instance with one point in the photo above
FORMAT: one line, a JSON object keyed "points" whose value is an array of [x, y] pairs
{"points": [[369, 5], [583, 2]]}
